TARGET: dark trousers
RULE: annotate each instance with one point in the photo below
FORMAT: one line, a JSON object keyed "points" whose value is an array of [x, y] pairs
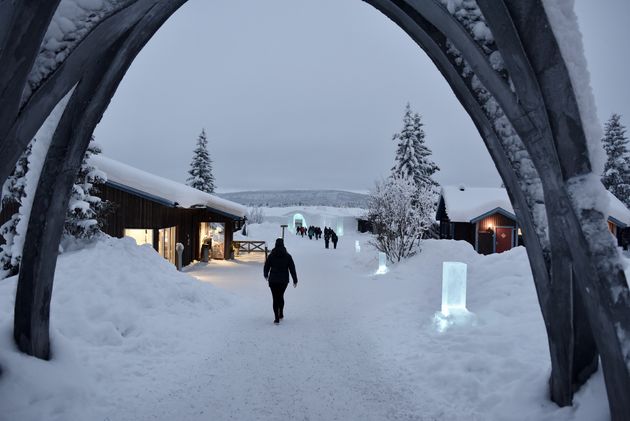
{"points": [[277, 291], [335, 244]]}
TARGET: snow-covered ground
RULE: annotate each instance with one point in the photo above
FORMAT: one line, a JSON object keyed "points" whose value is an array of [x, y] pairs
{"points": [[135, 340]]}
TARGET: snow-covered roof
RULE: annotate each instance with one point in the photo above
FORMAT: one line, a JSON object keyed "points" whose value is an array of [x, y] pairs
{"points": [[464, 204], [469, 204], [618, 213], [160, 187]]}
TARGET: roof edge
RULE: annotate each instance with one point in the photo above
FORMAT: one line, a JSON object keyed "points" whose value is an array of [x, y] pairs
{"points": [[498, 210]]}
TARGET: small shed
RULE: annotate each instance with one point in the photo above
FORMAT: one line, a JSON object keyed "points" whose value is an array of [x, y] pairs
{"points": [[483, 216], [619, 221], [161, 212]]}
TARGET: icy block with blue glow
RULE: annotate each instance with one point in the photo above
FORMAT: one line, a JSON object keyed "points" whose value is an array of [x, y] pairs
{"points": [[357, 246], [339, 227], [453, 287], [454, 311], [382, 264]]}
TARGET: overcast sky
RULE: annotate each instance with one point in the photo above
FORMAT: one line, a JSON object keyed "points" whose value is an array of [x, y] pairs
{"points": [[307, 94]]}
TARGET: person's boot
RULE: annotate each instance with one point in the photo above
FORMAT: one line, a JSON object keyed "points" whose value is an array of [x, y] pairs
{"points": [[276, 320]]}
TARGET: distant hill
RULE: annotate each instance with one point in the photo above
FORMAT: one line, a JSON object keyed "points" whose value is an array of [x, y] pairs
{"points": [[280, 198]]}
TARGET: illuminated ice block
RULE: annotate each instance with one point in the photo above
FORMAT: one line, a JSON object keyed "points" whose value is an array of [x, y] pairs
{"points": [[453, 287], [382, 263], [357, 246], [454, 311], [339, 227]]}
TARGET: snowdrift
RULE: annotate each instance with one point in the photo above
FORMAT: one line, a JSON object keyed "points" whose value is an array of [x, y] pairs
{"points": [[113, 304]]}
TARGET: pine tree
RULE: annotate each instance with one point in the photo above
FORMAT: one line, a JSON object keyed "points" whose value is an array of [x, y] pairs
{"points": [[13, 192], [616, 176], [200, 171], [86, 210], [413, 155]]}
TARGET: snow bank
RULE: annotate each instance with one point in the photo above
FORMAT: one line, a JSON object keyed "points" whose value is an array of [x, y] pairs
{"points": [[267, 231], [117, 311], [497, 369]]}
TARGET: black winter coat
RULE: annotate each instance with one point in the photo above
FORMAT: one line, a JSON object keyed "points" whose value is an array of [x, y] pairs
{"points": [[278, 265]]}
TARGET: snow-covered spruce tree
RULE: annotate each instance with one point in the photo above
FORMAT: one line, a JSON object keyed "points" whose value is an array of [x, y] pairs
{"points": [[86, 210], [413, 155], [200, 171], [616, 176], [13, 192], [401, 214]]}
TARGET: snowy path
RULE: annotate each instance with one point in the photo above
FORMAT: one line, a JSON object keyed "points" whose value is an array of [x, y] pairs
{"points": [[145, 342], [317, 365]]}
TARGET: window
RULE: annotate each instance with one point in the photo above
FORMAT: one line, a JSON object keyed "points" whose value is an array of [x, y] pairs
{"points": [[142, 236], [166, 243], [215, 232]]}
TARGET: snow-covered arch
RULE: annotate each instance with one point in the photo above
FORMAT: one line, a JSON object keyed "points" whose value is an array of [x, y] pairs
{"points": [[502, 60], [295, 219]]}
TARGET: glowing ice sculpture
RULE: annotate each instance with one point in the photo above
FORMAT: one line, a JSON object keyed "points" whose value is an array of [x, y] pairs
{"points": [[382, 264], [357, 246], [454, 309], [453, 287], [339, 227]]}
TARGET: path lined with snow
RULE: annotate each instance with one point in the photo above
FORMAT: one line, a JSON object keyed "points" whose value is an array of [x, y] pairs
{"points": [[318, 364], [135, 340]]}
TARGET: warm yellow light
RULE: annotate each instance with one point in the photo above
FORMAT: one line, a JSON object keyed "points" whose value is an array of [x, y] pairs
{"points": [[142, 236], [520, 232]]}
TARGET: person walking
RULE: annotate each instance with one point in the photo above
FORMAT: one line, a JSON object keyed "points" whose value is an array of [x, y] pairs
{"points": [[277, 268], [334, 238], [326, 237]]}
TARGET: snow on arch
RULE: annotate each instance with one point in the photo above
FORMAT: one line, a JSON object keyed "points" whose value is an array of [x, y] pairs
{"points": [[297, 217]]}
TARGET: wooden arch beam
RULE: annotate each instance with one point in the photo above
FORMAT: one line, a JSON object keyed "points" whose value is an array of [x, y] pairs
{"points": [[22, 127], [555, 297], [544, 87], [70, 141], [98, 84], [23, 25]]}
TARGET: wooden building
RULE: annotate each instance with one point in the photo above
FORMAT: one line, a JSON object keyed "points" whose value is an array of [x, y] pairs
{"points": [[157, 211], [485, 218], [482, 216], [619, 221]]}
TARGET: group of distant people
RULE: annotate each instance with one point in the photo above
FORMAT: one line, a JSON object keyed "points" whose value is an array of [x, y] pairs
{"points": [[316, 232], [311, 232]]}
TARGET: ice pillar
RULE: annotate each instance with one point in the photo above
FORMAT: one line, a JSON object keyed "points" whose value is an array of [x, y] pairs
{"points": [[382, 263], [454, 311], [453, 288]]}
